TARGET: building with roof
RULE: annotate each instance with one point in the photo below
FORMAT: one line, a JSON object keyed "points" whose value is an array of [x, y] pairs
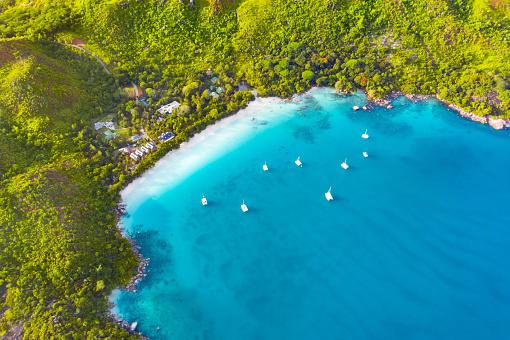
{"points": [[108, 125], [166, 136], [109, 135], [214, 94], [168, 108], [150, 146], [133, 156], [136, 138], [215, 79], [220, 90]]}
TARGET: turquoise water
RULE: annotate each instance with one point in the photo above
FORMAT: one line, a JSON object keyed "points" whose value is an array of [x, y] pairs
{"points": [[415, 244]]}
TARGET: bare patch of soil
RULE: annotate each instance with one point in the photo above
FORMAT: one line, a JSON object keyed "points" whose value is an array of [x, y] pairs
{"points": [[78, 42], [129, 92]]}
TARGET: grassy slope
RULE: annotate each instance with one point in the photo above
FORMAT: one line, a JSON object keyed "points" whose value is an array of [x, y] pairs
{"points": [[36, 94], [62, 252], [55, 215], [439, 42], [470, 52]]}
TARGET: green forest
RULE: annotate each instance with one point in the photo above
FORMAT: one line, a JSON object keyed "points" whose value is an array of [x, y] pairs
{"points": [[61, 253]]}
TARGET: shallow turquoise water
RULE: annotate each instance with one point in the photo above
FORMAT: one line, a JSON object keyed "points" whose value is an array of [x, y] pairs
{"points": [[415, 244]]}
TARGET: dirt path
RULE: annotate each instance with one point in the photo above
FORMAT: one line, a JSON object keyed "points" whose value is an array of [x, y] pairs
{"points": [[136, 91], [104, 66], [102, 63]]}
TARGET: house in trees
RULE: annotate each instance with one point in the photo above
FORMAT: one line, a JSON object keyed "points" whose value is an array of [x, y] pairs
{"points": [[168, 108], [109, 135], [166, 136]]}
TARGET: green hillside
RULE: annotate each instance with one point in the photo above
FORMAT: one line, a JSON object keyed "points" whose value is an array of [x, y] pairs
{"points": [[455, 48], [458, 49], [60, 252]]}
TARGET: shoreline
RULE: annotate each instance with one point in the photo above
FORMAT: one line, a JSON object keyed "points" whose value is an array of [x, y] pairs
{"points": [[120, 211], [495, 123], [252, 107], [120, 208], [258, 103]]}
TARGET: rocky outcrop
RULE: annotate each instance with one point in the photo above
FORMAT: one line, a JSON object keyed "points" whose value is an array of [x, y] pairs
{"points": [[386, 100], [124, 324], [120, 210], [496, 123], [15, 332], [468, 114], [140, 272]]}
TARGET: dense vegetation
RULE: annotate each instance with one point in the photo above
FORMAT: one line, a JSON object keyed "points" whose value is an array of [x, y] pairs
{"points": [[60, 252]]}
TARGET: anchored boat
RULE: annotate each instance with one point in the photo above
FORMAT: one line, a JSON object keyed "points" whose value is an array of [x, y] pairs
{"points": [[329, 197], [344, 165], [244, 207]]}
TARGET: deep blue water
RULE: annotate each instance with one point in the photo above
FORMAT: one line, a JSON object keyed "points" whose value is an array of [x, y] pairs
{"points": [[415, 244]]}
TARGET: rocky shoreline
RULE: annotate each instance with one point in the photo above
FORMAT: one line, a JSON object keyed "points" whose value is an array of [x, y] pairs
{"points": [[124, 324], [496, 123], [120, 210]]}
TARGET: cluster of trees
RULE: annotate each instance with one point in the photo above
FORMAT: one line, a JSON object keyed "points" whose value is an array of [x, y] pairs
{"points": [[187, 127], [60, 251], [426, 46], [282, 47]]}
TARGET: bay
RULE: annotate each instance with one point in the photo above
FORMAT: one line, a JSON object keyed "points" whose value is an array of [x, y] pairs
{"points": [[414, 245]]}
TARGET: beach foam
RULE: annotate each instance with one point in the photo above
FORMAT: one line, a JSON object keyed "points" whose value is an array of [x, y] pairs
{"points": [[414, 245], [174, 167]]}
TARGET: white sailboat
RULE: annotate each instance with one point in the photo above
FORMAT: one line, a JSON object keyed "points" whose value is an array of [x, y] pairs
{"points": [[344, 165], [265, 166], [329, 197], [365, 154], [244, 207], [298, 162], [204, 200], [365, 135]]}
